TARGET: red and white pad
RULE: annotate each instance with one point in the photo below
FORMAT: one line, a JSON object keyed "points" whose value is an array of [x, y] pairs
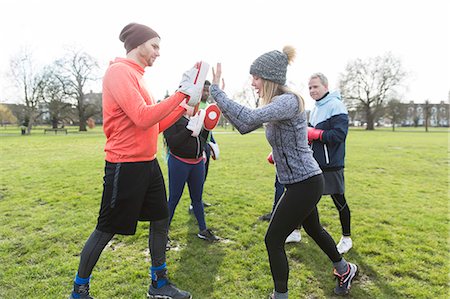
{"points": [[212, 117], [199, 80]]}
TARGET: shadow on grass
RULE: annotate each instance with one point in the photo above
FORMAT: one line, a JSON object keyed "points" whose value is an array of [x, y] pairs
{"points": [[199, 261], [368, 284]]}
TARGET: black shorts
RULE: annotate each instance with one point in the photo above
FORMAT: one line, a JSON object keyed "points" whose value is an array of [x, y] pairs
{"points": [[334, 182], [132, 192]]}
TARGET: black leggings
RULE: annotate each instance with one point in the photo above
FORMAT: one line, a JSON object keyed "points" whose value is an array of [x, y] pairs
{"points": [[344, 212], [97, 241], [296, 207]]}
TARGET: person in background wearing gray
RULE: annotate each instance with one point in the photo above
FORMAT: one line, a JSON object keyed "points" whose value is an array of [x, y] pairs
{"points": [[282, 111], [327, 131]]}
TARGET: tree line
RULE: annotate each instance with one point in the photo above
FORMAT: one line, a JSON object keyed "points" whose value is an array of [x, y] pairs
{"points": [[373, 87], [57, 89]]}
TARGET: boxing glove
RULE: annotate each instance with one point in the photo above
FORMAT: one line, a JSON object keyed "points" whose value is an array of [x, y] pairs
{"points": [[193, 81], [189, 88], [190, 111], [214, 150], [195, 123], [314, 134]]}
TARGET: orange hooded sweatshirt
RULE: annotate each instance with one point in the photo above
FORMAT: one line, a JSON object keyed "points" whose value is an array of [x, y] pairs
{"points": [[132, 119]]}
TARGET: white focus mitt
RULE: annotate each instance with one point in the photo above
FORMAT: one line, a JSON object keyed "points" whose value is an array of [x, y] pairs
{"points": [[214, 150]]}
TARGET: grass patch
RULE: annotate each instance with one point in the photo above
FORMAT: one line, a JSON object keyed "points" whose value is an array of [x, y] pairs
{"points": [[397, 188]]}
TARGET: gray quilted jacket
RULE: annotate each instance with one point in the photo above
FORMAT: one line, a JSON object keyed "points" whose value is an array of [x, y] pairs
{"points": [[285, 130]]}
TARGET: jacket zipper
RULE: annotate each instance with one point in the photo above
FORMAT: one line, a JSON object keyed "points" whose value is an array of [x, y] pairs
{"points": [[327, 159], [198, 147]]}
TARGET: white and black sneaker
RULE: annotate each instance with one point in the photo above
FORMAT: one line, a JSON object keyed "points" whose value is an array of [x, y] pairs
{"points": [[344, 281], [208, 235]]}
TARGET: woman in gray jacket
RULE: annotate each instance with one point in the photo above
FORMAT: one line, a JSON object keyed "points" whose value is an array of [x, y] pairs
{"points": [[282, 112]]}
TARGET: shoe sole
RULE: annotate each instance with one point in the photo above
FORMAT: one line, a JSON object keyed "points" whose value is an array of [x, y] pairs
{"points": [[347, 291], [163, 297]]}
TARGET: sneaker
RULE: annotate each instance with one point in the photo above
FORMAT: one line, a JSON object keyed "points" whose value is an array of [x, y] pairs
{"points": [[168, 291], [344, 281], [80, 291], [207, 235], [168, 244], [265, 217], [294, 237], [344, 245], [205, 205]]}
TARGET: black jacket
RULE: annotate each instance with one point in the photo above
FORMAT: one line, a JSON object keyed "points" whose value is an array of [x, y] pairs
{"points": [[181, 143]]}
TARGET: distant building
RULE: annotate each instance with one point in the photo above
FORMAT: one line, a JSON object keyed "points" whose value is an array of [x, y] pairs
{"points": [[411, 114], [415, 114]]}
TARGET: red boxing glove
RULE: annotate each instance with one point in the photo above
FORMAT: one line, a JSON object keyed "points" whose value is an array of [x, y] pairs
{"points": [[314, 134], [270, 159]]}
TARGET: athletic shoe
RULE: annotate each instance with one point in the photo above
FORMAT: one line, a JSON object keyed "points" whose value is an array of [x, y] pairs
{"points": [[207, 235], [80, 291], [344, 281], [344, 245], [265, 217], [205, 205], [168, 244], [294, 237], [168, 291]]}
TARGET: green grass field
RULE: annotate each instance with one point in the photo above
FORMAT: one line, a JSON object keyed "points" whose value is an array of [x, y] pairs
{"points": [[397, 188]]}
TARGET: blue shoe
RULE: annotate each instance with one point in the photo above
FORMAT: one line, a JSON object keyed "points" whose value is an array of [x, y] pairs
{"points": [[80, 291], [168, 291], [344, 281]]}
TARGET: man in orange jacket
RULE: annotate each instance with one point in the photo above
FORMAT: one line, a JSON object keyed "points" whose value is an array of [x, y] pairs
{"points": [[133, 188]]}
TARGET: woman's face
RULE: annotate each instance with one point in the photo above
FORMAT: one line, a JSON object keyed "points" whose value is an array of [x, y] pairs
{"points": [[258, 84]]}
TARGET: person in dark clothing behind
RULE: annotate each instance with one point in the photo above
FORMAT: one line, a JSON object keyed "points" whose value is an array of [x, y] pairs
{"points": [[186, 164], [327, 131]]}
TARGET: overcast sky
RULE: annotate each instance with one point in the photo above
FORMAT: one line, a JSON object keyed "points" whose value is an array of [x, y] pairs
{"points": [[327, 35]]}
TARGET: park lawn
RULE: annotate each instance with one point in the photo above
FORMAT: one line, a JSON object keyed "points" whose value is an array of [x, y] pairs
{"points": [[397, 189]]}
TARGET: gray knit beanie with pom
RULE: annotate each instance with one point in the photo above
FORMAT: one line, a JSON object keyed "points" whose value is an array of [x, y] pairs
{"points": [[271, 66]]}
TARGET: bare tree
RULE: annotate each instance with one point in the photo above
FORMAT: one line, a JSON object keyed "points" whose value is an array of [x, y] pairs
{"points": [[30, 83], [393, 111], [74, 73], [58, 105], [427, 114], [369, 84]]}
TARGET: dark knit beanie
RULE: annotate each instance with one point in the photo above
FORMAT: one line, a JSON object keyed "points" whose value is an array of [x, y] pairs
{"points": [[271, 66], [135, 34]]}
